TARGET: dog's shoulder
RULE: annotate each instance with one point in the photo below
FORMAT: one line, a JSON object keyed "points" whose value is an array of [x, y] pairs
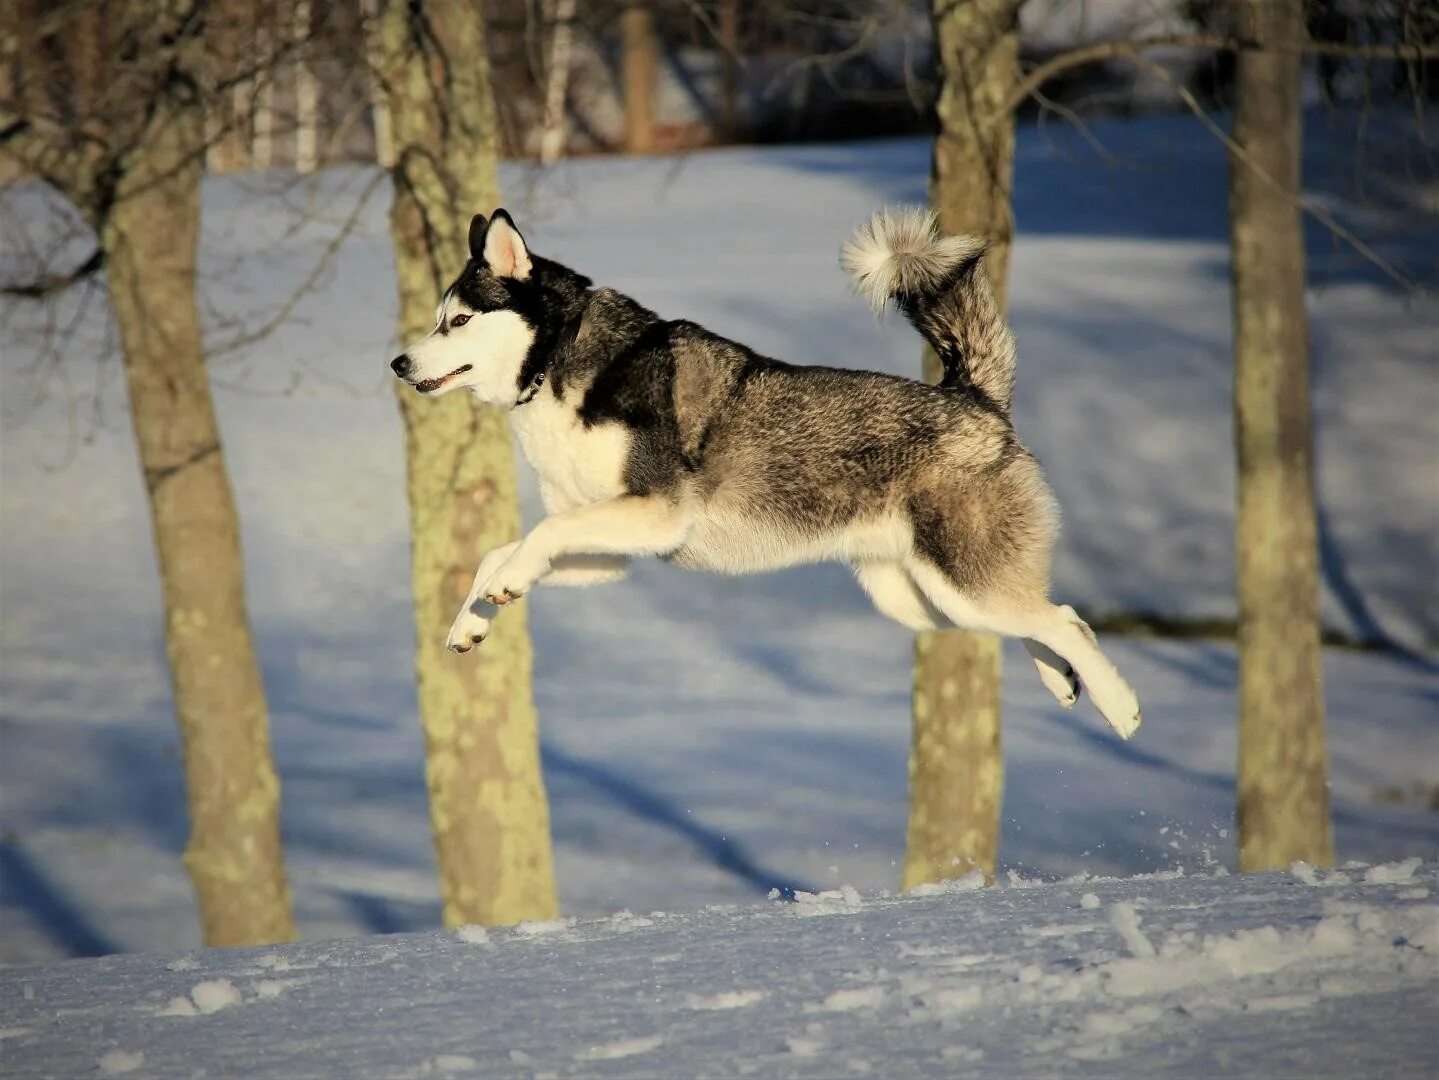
{"points": [[707, 370]]}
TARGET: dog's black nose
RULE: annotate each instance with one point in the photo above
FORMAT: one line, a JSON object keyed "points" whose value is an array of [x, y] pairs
{"points": [[399, 365]]}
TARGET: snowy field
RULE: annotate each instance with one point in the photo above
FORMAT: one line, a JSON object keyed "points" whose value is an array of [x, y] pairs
{"points": [[1273, 975], [706, 739]]}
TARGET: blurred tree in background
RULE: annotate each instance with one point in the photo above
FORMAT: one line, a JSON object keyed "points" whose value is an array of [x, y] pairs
{"points": [[956, 768], [105, 102], [487, 797], [1283, 769]]}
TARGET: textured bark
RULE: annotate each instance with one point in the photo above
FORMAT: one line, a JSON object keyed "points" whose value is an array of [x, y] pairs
{"points": [[307, 93], [956, 772], [1283, 808], [482, 766], [639, 58], [229, 48], [149, 236]]}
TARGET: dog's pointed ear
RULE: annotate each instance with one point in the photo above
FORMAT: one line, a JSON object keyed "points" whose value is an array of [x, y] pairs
{"points": [[477, 236], [504, 251]]}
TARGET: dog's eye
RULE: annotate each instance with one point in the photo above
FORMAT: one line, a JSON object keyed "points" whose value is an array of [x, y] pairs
{"points": [[459, 320]]}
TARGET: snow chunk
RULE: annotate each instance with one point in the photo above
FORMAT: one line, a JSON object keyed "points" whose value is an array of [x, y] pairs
{"points": [[1303, 872], [1125, 921], [184, 963], [732, 999], [178, 1006], [864, 997], [622, 1049], [269, 989], [803, 1046], [1392, 873], [1089, 901], [217, 994], [842, 901], [532, 928], [970, 882], [119, 1062], [473, 934]]}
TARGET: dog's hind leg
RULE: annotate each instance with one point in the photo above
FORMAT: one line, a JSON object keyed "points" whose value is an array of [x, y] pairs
{"points": [[1056, 628], [895, 595], [1054, 671]]}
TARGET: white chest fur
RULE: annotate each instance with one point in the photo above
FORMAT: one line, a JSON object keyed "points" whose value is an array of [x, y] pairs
{"points": [[577, 465]]}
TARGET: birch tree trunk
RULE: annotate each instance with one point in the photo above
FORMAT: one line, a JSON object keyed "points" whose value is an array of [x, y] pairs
{"points": [[1283, 811], [956, 772], [639, 60], [149, 236], [482, 765], [229, 47], [557, 80], [307, 93]]}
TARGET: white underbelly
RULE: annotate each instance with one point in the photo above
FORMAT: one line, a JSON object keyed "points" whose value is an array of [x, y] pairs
{"points": [[734, 544]]}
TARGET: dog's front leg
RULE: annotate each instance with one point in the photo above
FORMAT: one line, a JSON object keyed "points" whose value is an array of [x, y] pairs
{"points": [[473, 622], [627, 525]]}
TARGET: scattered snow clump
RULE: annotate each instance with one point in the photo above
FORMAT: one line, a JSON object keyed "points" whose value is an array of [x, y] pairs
{"points": [[622, 1049], [474, 935], [541, 927], [1089, 901], [1392, 873], [1125, 921], [970, 882], [215, 995], [732, 999], [864, 997]]}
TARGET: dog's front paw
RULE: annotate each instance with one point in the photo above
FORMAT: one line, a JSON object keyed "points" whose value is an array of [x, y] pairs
{"points": [[511, 581], [467, 631]]}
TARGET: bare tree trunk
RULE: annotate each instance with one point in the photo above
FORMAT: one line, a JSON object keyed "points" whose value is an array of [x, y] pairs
{"points": [[307, 93], [384, 130], [262, 139], [482, 766], [229, 45], [956, 771], [149, 237], [640, 59], [557, 80], [1283, 790]]}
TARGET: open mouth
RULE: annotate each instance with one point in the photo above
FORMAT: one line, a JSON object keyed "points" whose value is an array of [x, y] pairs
{"points": [[426, 386]]}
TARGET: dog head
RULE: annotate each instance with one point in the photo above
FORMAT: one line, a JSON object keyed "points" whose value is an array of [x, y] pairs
{"points": [[486, 324]]}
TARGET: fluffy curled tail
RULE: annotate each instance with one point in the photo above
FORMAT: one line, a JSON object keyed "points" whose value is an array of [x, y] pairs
{"points": [[940, 285]]}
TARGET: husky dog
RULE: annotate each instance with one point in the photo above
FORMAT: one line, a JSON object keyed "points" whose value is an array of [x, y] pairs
{"points": [[657, 437]]}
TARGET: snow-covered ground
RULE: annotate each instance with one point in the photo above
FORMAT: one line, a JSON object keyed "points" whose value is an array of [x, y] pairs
{"points": [[1315, 974], [706, 738]]}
